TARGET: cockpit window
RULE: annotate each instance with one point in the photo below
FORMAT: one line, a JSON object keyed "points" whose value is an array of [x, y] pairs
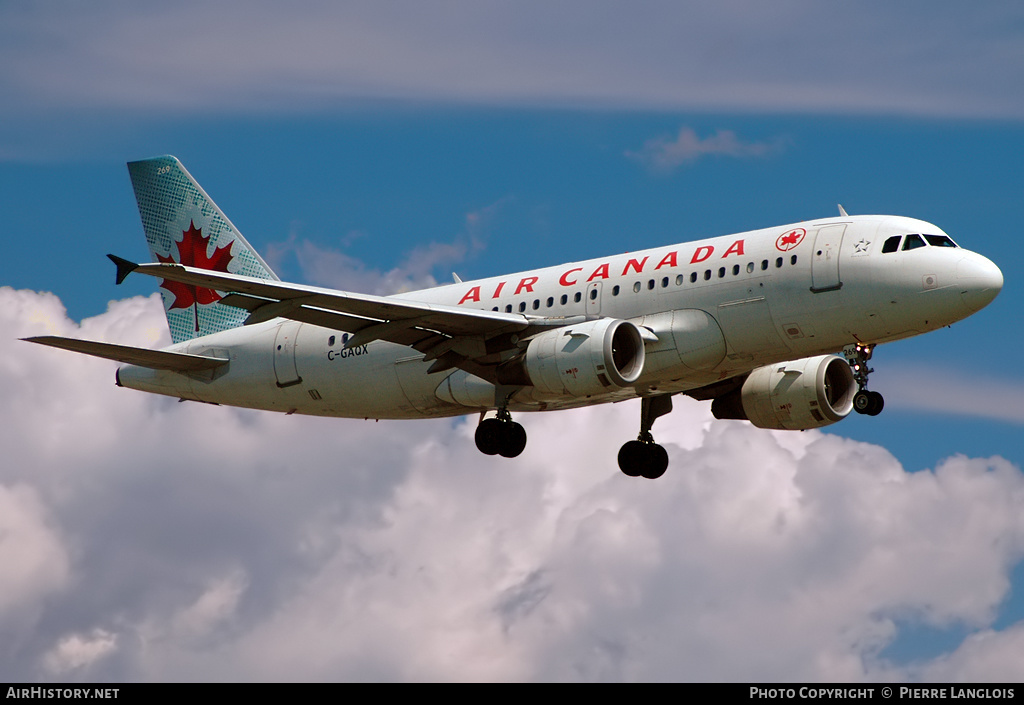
{"points": [[913, 242], [939, 241], [892, 244]]}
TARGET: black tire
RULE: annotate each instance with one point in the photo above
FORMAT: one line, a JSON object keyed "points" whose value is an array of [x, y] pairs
{"points": [[513, 440], [488, 436], [631, 456], [862, 402], [877, 404], [656, 461]]}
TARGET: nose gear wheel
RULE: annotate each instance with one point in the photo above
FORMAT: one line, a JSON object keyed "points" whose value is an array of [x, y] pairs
{"points": [[864, 401]]}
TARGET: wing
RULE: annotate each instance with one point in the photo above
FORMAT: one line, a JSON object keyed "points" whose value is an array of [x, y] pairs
{"points": [[154, 359], [470, 339]]}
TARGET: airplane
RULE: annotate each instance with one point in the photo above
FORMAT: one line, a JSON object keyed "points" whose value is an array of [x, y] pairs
{"points": [[773, 326]]}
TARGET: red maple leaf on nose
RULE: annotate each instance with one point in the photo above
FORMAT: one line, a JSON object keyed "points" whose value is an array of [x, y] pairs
{"points": [[192, 253], [789, 239]]}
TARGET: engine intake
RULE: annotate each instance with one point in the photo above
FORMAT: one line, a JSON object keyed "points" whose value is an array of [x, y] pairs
{"points": [[583, 360], [797, 395]]}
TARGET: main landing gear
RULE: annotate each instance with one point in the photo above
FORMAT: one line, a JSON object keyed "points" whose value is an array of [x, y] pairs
{"points": [[643, 457], [864, 402], [501, 436]]}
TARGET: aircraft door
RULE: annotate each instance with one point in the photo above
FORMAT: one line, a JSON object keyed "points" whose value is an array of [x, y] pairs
{"points": [[825, 258], [594, 298], [284, 354]]}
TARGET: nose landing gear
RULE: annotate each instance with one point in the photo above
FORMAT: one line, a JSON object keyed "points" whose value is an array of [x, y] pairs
{"points": [[643, 457], [864, 402]]}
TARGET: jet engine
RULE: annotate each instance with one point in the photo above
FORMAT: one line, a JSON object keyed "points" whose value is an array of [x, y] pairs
{"points": [[797, 395], [582, 360]]}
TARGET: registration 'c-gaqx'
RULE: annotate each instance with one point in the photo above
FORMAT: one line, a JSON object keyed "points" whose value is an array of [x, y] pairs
{"points": [[774, 326]]}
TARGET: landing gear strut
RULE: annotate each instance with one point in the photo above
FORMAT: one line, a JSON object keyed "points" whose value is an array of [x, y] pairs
{"points": [[643, 457], [500, 436], [864, 402]]}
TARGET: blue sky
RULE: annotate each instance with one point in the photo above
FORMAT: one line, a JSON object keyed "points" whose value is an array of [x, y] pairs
{"points": [[380, 148]]}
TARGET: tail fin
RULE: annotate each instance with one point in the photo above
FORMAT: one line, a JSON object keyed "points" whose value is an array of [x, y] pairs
{"points": [[184, 225]]}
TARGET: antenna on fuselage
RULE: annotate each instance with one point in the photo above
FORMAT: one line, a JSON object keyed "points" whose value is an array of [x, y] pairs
{"points": [[842, 211]]}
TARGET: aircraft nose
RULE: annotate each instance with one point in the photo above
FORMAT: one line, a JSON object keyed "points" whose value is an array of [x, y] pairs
{"points": [[979, 280]]}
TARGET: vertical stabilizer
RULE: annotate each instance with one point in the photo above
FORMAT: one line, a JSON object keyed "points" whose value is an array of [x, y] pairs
{"points": [[184, 225]]}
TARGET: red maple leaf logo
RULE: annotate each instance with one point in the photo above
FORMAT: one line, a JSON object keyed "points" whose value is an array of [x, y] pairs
{"points": [[788, 241], [192, 253]]}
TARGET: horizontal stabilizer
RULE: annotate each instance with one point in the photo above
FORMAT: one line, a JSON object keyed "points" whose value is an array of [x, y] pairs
{"points": [[153, 359]]}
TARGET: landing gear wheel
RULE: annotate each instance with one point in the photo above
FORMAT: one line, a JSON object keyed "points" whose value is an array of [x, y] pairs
{"points": [[877, 403], [870, 403], [488, 436], [502, 437], [631, 456], [639, 459], [514, 440], [861, 402], [657, 462]]}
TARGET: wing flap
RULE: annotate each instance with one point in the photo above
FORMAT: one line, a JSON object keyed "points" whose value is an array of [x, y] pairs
{"points": [[143, 357]]}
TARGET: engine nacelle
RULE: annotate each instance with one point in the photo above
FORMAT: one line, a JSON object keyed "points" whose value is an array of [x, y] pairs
{"points": [[801, 394], [586, 359]]}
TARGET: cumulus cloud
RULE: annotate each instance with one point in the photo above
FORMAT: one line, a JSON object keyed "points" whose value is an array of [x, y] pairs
{"points": [[180, 541], [665, 154]]}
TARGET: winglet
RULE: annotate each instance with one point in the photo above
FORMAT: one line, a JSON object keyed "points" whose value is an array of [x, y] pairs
{"points": [[124, 267], [842, 211]]}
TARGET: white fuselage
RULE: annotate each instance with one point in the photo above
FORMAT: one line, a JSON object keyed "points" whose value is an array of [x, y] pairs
{"points": [[750, 299]]}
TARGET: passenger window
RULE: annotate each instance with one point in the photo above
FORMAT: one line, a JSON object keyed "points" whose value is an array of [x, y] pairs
{"points": [[750, 268], [564, 299], [707, 275], [330, 342], [650, 283], [495, 308], [778, 262], [522, 306], [551, 301], [892, 244], [792, 260], [693, 277], [593, 294], [764, 264], [508, 308], [636, 287], [721, 272], [913, 242], [735, 269], [578, 297], [679, 280], [615, 290]]}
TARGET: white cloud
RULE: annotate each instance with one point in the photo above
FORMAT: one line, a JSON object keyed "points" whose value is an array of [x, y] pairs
{"points": [[212, 543], [333, 268], [76, 651], [791, 57], [665, 154], [36, 562], [913, 387]]}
